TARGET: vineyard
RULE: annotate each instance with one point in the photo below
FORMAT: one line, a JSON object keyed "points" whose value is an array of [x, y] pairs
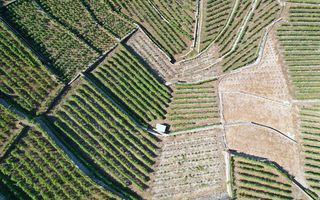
{"points": [[107, 139], [150, 53], [167, 35], [180, 14], [247, 49], [300, 41], [160, 99], [193, 106], [112, 21], [238, 17], [183, 160], [9, 129], [265, 79], [36, 169], [310, 140], [133, 85], [214, 18], [254, 179], [23, 78], [74, 16], [66, 53]]}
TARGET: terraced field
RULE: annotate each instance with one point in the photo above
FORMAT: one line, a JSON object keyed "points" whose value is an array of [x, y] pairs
{"points": [[247, 49], [167, 35], [74, 16], [10, 128], [36, 169], [214, 18], [130, 82], [183, 160], [84, 85], [111, 20], [180, 14], [300, 41], [193, 106], [226, 40], [254, 179], [61, 49], [151, 54], [109, 142], [24, 79], [310, 136]]}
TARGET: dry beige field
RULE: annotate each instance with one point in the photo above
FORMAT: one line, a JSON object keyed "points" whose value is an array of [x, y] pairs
{"points": [[239, 107]]}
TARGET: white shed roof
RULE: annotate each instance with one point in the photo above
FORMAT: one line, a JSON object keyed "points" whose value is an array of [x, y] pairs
{"points": [[161, 128]]}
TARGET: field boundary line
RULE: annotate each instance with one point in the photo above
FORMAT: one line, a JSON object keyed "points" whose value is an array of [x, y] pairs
{"points": [[261, 53], [276, 130], [13, 109], [156, 44], [204, 128], [242, 28], [252, 123], [106, 95], [73, 158], [159, 13], [197, 28], [39, 56], [280, 102], [229, 179], [210, 45], [15, 141]]}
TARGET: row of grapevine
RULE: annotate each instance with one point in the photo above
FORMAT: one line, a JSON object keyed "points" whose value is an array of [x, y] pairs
{"points": [[74, 16], [254, 179], [299, 38], [226, 39], [194, 106], [36, 169], [105, 137], [127, 79], [111, 20], [248, 47], [181, 14], [214, 19], [23, 78], [9, 129], [166, 35], [310, 143], [63, 50]]}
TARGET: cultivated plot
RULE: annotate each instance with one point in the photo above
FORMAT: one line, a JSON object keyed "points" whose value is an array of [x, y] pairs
{"points": [[190, 166], [266, 143]]}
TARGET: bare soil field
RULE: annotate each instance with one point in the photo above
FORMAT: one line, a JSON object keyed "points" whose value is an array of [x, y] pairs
{"points": [[239, 107], [191, 166], [266, 143]]}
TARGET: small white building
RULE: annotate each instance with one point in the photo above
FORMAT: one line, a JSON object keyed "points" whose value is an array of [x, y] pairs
{"points": [[162, 128]]}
